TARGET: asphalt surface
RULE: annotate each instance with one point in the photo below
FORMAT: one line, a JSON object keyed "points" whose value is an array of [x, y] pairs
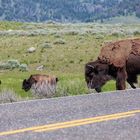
{"points": [[40, 113]]}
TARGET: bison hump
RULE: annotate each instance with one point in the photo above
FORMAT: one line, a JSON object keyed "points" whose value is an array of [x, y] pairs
{"points": [[116, 53], [136, 46]]}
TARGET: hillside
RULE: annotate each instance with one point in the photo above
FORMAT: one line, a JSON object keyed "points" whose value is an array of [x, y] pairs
{"points": [[67, 10]]}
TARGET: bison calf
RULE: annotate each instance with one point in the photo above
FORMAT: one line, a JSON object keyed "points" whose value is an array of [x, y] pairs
{"points": [[41, 85]]}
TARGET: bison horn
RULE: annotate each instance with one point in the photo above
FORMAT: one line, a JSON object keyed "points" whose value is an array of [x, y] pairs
{"points": [[91, 66]]}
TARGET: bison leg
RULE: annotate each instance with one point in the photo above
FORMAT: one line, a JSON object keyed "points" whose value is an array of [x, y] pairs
{"points": [[120, 79], [98, 89], [132, 79]]}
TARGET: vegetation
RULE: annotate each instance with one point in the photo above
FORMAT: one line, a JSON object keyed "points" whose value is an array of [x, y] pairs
{"points": [[67, 10], [62, 50]]}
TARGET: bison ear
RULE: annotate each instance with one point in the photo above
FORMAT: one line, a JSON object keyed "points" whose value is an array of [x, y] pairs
{"points": [[90, 66]]}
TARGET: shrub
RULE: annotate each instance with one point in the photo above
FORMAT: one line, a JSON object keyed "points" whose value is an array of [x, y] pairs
{"points": [[12, 64], [137, 33], [4, 66], [115, 34], [99, 36], [46, 45], [57, 35], [73, 33], [71, 87], [23, 67], [71, 61], [81, 60], [60, 41], [8, 96]]}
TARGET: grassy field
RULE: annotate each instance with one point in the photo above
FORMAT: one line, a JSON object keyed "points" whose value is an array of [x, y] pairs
{"points": [[63, 50], [124, 19]]}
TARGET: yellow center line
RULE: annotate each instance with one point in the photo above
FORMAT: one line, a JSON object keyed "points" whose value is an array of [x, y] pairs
{"points": [[72, 123], [82, 123]]}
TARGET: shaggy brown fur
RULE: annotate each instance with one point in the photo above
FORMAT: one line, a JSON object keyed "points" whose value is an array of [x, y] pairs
{"points": [[41, 78], [116, 53]]}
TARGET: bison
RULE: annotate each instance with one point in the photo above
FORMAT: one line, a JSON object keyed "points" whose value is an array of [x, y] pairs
{"points": [[119, 60], [98, 73], [41, 85]]}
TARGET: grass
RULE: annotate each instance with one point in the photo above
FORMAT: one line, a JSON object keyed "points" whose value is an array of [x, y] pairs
{"points": [[76, 45], [6, 25], [125, 19], [12, 80]]}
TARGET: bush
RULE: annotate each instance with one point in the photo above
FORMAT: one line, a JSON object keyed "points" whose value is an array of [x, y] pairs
{"points": [[99, 36], [12, 64], [46, 45], [137, 33], [57, 35], [4, 66], [73, 33], [60, 41], [115, 34], [23, 67], [71, 61], [8, 96], [71, 87]]}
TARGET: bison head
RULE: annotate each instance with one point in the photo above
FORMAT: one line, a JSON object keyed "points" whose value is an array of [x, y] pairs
{"points": [[26, 85], [96, 75]]}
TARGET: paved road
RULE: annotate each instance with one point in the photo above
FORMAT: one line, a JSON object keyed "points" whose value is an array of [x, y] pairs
{"points": [[104, 116]]}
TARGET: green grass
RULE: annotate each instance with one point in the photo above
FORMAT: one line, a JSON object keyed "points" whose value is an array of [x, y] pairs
{"points": [[12, 80], [65, 60], [109, 86], [6, 25]]}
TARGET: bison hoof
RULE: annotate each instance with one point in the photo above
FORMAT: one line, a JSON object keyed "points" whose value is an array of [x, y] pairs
{"points": [[98, 89]]}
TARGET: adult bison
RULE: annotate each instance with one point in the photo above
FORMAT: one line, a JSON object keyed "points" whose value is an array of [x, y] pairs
{"points": [[41, 85], [120, 66]]}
